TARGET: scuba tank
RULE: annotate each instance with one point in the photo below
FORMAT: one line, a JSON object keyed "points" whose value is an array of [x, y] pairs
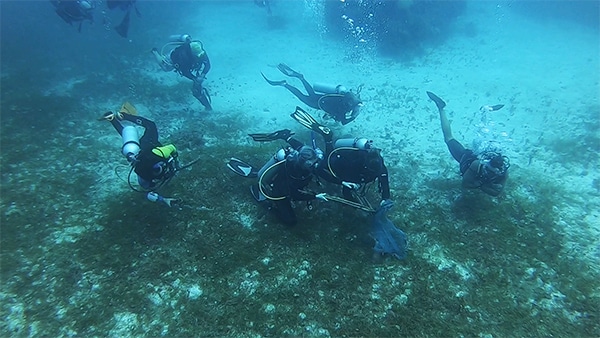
{"points": [[328, 88], [182, 38], [131, 141], [359, 143]]}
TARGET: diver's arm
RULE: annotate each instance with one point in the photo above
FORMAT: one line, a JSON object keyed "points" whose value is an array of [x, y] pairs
{"points": [[384, 184], [294, 143], [325, 174], [495, 187], [206, 62]]}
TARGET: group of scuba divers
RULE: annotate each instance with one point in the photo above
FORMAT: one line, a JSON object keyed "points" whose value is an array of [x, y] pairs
{"points": [[78, 11], [353, 164]]}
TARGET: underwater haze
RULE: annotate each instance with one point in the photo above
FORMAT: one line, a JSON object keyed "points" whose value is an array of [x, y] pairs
{"points": [[81, 254]]}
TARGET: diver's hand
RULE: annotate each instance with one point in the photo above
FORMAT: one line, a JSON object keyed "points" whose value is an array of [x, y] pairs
{"points": [[170, 201], [350, 185], [322, 196], [386, 204], [198, 80]]}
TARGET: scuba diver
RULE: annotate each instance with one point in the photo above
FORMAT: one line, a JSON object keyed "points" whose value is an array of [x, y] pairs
{"points": [[283, 178], [188, 59], [75, 11], [154, 164], [352, 163], [124, 5], [341, 104], [488, 170]]}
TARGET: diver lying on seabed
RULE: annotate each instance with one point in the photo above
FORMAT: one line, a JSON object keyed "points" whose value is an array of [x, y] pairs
{"points": [[487, 170]]}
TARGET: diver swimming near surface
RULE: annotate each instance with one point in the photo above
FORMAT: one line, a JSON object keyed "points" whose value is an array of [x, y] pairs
{"points": [[341, 104]]}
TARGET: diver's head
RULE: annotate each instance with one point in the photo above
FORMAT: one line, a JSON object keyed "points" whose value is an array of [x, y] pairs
{"points": [[495, 164], [197, 50], [305, 159], [373, 161]]}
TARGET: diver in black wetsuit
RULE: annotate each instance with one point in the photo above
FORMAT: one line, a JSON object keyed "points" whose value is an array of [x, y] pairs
{"points": [[341, 104], [351, 163], [154, 164], [74, 11], [487, 171], [190, 60]]}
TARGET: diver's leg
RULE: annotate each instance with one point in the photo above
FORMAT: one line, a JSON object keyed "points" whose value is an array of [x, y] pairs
{"points": [[456, 149], [117, 125], [202, 95], [440, 104], [150, 137], [284, 212], [309, 100], [446, 130]]}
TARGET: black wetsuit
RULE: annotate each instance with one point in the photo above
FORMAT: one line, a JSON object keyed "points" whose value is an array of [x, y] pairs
{"points": [[146, 164], [288, 182], [186, 64], [72, 11], [355, 165], [336, 105], [463, 156]]}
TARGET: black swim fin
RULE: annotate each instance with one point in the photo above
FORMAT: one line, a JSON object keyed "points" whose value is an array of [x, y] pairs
{"points": [[255, 191], [242, 168], [283, 134], [123, 27], [305, 119], [285, 69], [438, 101], [274, 83]]}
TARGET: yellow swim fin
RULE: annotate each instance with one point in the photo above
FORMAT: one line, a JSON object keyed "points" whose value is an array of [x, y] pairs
{"points": [[128, 108]]}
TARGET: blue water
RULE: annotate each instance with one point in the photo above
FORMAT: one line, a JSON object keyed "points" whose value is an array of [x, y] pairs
{"points": [[83, 255]]}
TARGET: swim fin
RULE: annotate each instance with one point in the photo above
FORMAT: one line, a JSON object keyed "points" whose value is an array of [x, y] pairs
{"points": [[242, 168], [128, 108], [123, 27], [283, 134], [255, 191], [437, 100], [285, 69], [274, 83], [305, 119]]}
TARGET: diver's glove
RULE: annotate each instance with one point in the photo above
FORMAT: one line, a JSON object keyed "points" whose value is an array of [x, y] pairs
{"points": [[322, 196], [350, 185], [154, 197], [386, 204], [283, 134]]}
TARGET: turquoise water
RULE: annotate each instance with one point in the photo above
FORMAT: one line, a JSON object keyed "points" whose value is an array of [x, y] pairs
{"points": [[83, 255]]}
